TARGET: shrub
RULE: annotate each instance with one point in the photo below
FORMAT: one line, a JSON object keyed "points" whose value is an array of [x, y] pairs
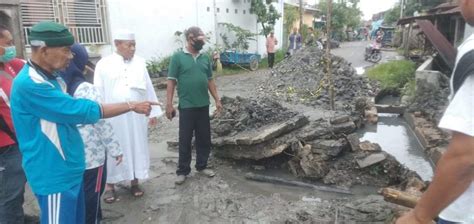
{"points": [[393, 75], [157, 65]]}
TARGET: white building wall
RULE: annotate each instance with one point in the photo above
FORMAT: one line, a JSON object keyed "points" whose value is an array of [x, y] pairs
{"points": [[155, 22]]}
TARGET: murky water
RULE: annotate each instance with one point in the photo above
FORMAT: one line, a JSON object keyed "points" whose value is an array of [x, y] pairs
{"points": [[395, 137]]}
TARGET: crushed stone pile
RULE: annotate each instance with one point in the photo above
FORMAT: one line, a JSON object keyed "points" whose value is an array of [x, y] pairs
{"points": [[302, 78], [242, 114]]}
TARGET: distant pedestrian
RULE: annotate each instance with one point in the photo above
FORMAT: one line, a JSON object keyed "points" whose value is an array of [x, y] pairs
{"points": [[450, 195], [271, 49], [45, 118], [12, 177], [296, 41], [99, 139], [192, 72], [311, 37]]}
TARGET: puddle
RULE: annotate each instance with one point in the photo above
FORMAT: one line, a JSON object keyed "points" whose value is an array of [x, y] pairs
{"points": [[395, 137]]}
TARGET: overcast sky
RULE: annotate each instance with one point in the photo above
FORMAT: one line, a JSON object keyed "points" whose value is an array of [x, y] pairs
{"points": [[370, 7]]}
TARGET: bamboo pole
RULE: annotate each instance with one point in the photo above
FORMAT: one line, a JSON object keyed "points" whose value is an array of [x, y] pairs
{"points": [[328, 53], [399, 197]]}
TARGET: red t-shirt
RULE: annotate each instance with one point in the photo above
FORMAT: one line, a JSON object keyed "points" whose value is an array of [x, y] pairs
{"points": [[12, 68]]}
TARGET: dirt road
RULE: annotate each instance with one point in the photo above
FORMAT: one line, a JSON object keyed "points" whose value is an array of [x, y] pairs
{"points": [[229, 198]]}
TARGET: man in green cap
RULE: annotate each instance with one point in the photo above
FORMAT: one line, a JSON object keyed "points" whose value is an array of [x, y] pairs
{"points": [[45, 118]]}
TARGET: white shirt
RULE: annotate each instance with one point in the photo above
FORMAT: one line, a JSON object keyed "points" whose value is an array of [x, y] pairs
{"points": [[459, 117], [98, 138]]}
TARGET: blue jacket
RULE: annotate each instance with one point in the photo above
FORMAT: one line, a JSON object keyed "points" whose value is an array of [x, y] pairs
{"points": [[45, 119]]}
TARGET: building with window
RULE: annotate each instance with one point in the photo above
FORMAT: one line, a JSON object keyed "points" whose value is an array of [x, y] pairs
{"points": [[155, 23]]}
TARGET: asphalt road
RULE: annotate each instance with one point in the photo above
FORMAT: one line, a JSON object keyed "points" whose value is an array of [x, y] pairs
{"points": [[354, 53]]}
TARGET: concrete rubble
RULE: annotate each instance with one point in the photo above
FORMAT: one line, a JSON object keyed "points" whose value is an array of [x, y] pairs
{"points": [[327, 150]]}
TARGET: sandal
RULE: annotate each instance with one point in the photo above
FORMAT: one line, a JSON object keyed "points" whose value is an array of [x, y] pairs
{"points": [[110, 196], [136, 191]]}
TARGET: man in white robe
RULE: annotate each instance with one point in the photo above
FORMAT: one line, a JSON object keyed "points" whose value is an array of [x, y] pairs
{"points": [[120, 77]]}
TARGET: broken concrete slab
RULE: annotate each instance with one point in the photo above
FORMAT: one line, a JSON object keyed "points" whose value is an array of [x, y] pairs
{"points": [[252, 152], [329, 147], [340, 119], [262, 134], [371, 115], [390, 109], [370, 147], [371, 160], [344, 128], [354, 141]]}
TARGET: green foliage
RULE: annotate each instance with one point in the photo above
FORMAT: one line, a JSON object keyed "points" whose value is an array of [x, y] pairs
{"points": [[392, 16], [267, 14], [156, 65], [393, 75], [344, 13], [242, 36], [291, 15], [410, 8]]}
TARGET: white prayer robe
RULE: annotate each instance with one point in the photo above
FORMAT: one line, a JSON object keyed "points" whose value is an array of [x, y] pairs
{"points": [[120, 81]]}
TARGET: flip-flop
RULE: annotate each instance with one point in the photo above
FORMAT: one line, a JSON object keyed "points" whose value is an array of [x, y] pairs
{"points": [[110, 196], [136, 191]]}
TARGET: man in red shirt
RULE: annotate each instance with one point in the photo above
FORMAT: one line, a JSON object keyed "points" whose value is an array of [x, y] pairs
{"points": [[12, 176]]}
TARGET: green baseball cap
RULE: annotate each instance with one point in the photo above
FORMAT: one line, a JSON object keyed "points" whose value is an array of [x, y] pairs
{"points": [[51, 34]]}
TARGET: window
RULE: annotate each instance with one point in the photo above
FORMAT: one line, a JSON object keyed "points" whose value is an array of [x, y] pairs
{"points": [[236, 11], [227, 10], [244, 11], [208, 9], [86, 19], [218, 10]]}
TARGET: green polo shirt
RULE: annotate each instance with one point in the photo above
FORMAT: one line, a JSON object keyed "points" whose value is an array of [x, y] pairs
{"points": [[192, 75]]}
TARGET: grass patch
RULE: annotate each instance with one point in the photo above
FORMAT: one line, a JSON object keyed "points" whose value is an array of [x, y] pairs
{"points": [[279, 56], [393, 75]]}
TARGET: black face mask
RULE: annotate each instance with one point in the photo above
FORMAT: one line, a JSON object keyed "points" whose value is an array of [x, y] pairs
{"points": [[197, 45]]}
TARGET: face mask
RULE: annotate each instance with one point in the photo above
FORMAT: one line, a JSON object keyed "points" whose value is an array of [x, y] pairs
{"points": [[198, 44], [10, 54]]}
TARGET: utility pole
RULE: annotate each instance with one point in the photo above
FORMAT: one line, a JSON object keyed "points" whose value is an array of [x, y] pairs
{"points": [[301, 16], [328, 53], [402, 8]]}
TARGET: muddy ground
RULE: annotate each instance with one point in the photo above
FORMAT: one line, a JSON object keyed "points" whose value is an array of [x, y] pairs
{"points": [[229, 197]]}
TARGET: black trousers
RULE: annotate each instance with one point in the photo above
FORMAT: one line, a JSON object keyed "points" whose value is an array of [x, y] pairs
{"points": [[94, 185], [271, 59], [194, 121]]}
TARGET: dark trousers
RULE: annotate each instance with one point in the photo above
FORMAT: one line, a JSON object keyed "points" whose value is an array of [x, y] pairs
{"points": [[12, 186], [194, 121], [94, 185], [271, 59]]}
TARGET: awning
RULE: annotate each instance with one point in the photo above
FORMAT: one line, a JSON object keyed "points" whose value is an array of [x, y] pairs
{"points": [[442, 45], [407, 20]]}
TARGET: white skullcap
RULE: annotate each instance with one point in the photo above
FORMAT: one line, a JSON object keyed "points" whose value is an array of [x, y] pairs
{"points": [[124, 35]]}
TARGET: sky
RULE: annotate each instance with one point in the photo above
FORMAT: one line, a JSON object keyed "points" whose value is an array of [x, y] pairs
{"points": [[370, 7]]}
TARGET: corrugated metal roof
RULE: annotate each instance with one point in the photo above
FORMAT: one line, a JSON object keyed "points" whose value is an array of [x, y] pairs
{"points": [[443, 46], [406, 20]]}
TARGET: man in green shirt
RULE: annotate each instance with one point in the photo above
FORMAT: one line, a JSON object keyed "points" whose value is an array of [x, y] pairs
{"points": [[192, 72]]}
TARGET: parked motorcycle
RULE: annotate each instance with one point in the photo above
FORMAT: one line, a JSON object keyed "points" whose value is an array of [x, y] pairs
{"points": [[373, 53]]}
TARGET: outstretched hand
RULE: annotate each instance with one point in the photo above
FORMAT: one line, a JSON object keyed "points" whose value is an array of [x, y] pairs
{"points": [[143, 107]]}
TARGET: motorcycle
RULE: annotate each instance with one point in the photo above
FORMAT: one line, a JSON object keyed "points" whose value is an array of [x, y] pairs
{"points": [[373, 53]]}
